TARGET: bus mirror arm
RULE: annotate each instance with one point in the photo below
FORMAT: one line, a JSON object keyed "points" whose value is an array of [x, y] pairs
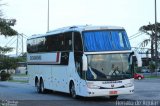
{"points": [[134, 59], [85, 64], [131, 58]]}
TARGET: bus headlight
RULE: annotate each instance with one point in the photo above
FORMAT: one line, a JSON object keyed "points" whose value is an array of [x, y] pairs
{"points": [[92, 86], [128, 85]]}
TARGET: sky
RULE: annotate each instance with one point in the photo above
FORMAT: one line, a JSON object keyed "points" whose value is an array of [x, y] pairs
{"points": [[31, 15]]}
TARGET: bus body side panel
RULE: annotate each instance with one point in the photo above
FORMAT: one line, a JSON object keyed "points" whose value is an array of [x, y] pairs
{"points": [[63, 74], [40, 71], [45, 74], [59, 76], [31, 72]]}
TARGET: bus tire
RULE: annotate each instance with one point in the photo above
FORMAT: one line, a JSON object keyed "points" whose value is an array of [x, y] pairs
{"points": [[38, 86], [72, 90], [41, 87], [36, 81]]}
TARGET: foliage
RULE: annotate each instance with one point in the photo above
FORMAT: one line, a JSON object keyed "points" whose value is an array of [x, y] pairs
{"points": [[152, 67], [150, 27], [5, 76], [22, 58], [6, 30], [4, 50], [5, 27], [137, 69], [150, 30], [8, 63]]}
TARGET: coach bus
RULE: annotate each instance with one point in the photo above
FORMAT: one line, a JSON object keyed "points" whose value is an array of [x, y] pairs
{"points": [[87, 61]]}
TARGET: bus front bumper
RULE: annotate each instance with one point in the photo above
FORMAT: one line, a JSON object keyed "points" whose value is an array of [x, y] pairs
{"points": [[108, 92]]}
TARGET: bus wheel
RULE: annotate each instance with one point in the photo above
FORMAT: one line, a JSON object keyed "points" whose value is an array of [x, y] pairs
{"points": [[41, 87], [113, 97], [38, 87], [72, 90]]}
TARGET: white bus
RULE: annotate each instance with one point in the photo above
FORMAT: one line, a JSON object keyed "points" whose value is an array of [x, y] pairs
{"points": [[87, 61]]}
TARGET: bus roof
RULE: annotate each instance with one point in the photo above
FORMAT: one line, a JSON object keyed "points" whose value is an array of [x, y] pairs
{"points": [[76, 28]]}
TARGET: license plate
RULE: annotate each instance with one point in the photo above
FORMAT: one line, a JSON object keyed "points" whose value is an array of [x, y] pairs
{"points": [[113, 92]]}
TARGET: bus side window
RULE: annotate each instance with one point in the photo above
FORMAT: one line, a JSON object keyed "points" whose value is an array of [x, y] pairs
{"points": [[29, 46], [77, 42], [78, 53], [60, 45], [68, 41], [66, 47], [64, 58], [32, 46], [41, 44], [53, 43]]}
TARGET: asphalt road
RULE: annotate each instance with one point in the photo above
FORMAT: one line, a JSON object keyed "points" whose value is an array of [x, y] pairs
{"points": [[147, 91]]}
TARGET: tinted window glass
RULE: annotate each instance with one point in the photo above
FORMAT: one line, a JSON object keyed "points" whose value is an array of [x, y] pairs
{"points": [[68, 41], [29, 46], [77, 42], [61, 42], [32, 46], [41, 44], [58, 42], [52, 43]]}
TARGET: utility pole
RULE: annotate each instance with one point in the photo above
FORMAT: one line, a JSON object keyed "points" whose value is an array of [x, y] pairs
{"points": [[152, 46], [156, 52], [17, 46], [22, 43], [48, 18]]}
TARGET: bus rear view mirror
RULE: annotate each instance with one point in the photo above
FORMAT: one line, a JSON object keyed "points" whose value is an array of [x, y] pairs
{"points": [[85, 65], [131, 58], [134, 59]]}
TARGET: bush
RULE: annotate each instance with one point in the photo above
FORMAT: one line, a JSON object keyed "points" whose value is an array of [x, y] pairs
{"points": [[138, 69], [152, 67], [5, 76]]}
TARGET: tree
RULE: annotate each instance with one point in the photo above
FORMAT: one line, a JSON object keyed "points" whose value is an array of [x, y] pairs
{"points": [[4, 50], [9, 63], [150, 30], [6, 30], [6, 24], [152, 67], [5, 27]]}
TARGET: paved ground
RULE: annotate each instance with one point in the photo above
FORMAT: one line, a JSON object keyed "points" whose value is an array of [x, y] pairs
{"points": [[11, 93], [146, 89]]}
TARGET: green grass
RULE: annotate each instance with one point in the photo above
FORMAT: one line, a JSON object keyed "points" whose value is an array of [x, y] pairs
{"points": [[19, 75], [20, 81], [152, 77]]}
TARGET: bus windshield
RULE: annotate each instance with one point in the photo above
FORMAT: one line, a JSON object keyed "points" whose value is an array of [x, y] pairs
{"points": [[108, 67], [105, 40]]}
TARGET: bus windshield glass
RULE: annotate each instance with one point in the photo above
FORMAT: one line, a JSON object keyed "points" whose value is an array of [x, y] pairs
{"points": [[105, 40], [108, 67]]}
